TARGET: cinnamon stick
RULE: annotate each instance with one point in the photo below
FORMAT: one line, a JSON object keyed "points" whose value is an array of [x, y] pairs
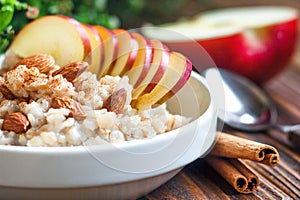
{"points": [[235, 173], [231, 146]]}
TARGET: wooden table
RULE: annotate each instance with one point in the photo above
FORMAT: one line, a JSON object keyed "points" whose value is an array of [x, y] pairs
{"points": [[199, 181]]}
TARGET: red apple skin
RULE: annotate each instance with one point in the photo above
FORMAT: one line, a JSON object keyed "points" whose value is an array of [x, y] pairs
{"points": [[142, 61], [101, 48], [84, 35], [181, 82], [161, 69], [110, 46], [177, 73], [127, 53], [148, 60], [260, 62], [95, 58], [97, 36], [19, 44], [160, 62], [132, 56], [116, 47]]}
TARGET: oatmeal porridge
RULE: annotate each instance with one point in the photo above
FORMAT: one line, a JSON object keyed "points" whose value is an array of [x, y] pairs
{"points": [[68, 106]]}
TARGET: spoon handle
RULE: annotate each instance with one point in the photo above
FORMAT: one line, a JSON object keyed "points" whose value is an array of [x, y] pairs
{"points": [[288, 128], [292, 132]]}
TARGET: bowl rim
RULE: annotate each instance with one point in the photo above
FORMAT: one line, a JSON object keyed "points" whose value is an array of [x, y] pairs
{"points": [[67, 163]]}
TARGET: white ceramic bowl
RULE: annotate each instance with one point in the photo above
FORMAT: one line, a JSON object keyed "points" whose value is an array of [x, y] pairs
{"points": [[125, 170]]}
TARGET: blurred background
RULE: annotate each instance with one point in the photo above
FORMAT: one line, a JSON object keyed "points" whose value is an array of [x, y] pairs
{"points": [[124, 13], [133, 13]]}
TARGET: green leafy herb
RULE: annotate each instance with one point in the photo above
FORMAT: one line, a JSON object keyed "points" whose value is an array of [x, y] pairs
{"points": [[7, 9], [108, 13]]}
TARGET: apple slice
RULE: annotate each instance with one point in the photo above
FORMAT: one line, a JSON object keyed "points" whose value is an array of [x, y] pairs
{"points": [[157, 69], [96, 56], [62, 37], [256, 42], [127, 52], [142, 62], [180, 83], [110, 46], [174, 78]]}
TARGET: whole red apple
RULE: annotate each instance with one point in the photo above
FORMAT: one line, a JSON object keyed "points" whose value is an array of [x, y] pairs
{"points": [[256, 42]]}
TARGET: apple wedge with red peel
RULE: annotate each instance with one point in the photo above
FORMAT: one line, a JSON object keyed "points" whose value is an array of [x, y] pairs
{"points": [[183, 79], [175, 76], [96, 56], [256, 42], [124, 48], [142, 62], [156, 71], [127, 52], [62, 37], [132, 56], [110, 47]]}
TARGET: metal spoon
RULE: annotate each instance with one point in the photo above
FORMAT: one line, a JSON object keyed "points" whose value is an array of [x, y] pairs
{"points": [[247, 107]]}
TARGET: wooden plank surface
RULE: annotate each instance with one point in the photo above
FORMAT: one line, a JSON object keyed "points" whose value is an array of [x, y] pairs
{"points": [[199, 181]]}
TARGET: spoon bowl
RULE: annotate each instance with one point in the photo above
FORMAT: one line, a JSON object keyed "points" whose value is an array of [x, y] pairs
{"points": [[247, 107]]}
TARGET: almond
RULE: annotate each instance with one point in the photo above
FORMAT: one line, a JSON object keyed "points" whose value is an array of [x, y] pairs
{"points": [[72, 70], [7, 94], [44, 62], [16, 122], [116, 101], [75, 108]]}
